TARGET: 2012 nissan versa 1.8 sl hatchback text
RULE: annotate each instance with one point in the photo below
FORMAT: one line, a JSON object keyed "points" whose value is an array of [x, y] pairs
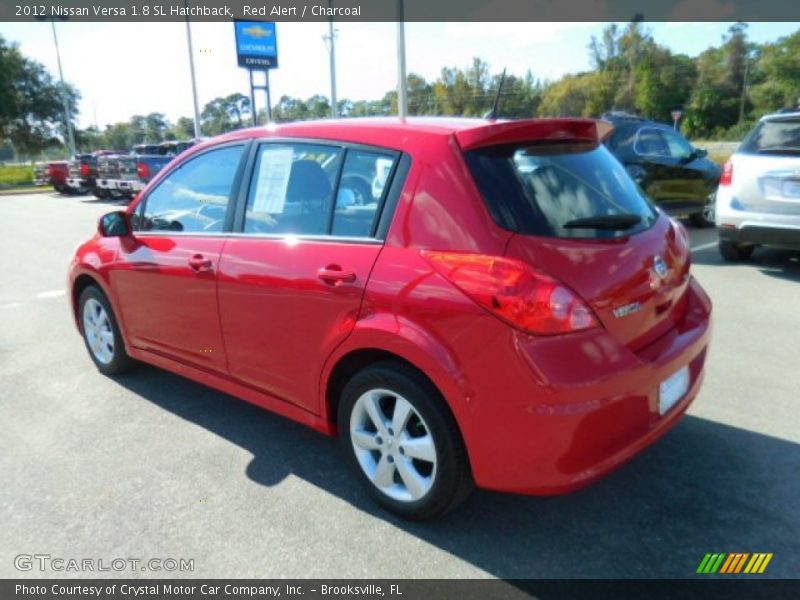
{"points": [[463, 301]]}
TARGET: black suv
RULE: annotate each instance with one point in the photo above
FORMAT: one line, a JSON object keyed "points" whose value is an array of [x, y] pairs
{"points": [[673, 173]]}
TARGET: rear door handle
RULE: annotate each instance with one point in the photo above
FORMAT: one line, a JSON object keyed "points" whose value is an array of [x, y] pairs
{"points": [[334, 274], [200, 263]]}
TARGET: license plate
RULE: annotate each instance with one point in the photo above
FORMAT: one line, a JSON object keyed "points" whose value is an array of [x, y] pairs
{"points": [[791, 189], [672, 389]]}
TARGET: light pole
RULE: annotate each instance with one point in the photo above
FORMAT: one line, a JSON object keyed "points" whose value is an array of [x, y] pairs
{"points": [[197, 130], [331, 41], [67, 115], [402, 102]]}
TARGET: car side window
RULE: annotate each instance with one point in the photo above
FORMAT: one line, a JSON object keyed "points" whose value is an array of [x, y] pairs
{"points": [[292, 188], [650, 142], [678, 147], [194, 197], [361, 189]]}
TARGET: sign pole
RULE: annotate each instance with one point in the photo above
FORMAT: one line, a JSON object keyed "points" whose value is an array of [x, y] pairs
{"points": [[252, 99], [269, 100]]}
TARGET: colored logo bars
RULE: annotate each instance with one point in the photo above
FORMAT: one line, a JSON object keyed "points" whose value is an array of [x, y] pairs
{"points": [[734, 563]]}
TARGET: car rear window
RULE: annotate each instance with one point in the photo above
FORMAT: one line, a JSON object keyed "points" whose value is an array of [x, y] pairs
{"points": [[541, 189], [774, 137]]}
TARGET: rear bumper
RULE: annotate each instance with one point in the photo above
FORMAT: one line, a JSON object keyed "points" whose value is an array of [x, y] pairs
{"points": [[777, 225], [765, 235], [78, 182], [564, 411], [120, 185]]}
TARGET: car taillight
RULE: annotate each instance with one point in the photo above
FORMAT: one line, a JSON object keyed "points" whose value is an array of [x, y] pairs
{"points": [[727, 173], [514, 292], [84, 170], [142, 170]]}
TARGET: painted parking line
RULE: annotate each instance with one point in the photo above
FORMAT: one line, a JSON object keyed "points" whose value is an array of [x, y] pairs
{"points": [[51, 294], [704, 246]]}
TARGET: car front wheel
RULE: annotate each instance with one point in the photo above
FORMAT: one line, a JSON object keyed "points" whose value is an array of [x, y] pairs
{"points": [[403, 441], [101, 333]]}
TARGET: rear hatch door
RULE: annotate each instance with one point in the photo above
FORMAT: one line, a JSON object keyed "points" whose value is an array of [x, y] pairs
{"points": [[579, 217], [766, 169]]}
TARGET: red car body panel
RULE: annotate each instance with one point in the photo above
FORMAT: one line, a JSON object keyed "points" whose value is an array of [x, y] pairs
{"points": [[274, 311], [538, 414]]}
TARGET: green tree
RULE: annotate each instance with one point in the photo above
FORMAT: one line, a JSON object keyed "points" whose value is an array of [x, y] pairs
{"points": [[31, 107], [225, 114]]}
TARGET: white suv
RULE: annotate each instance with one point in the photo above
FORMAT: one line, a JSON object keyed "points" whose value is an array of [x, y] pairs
{"points": [[758, 200]]}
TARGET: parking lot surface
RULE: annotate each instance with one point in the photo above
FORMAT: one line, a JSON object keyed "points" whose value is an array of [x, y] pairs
{"points": [[152, 465]]}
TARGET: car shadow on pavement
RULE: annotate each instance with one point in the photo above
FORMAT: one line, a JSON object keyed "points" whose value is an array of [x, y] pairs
{"points": [[782, 264], [704, 487]]}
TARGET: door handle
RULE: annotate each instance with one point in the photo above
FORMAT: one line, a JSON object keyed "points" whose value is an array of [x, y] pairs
{"points": [[333, 274], [200, 263]]}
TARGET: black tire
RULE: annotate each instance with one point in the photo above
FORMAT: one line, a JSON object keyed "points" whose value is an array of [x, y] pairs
{"points": [[120, 361], [707, 217], [733, 252], [452, 479], [101, 194]]}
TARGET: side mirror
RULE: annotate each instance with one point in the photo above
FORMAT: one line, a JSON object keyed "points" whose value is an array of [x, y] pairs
{"points": [[114, 224], [700, 152]]}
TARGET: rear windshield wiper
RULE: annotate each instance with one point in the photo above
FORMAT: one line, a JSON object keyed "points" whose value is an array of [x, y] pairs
{"points": [[612, 222]]}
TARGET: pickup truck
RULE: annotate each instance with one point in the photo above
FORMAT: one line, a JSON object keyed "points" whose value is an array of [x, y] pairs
{"points": [[83, 173], [135, 170], [110, 169], [58, 171]]}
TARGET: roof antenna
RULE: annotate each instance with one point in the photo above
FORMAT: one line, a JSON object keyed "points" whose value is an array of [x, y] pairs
{"points": [[492, 114]]}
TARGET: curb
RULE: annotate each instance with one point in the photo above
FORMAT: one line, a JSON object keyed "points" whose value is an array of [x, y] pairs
{"points": [[23, 192]]}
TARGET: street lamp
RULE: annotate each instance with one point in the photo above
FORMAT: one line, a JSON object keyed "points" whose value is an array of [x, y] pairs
{"points": [[197, 131], [402, 103], [65, 100], [330, 39]]}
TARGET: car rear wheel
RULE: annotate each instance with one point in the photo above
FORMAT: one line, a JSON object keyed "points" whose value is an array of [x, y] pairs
{"points": [[101, 333], [403, 441], [733, 252], [707, 217]]}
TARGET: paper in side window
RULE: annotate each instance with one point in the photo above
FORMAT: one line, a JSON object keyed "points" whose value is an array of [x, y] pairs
{"points": [[273, 179]]}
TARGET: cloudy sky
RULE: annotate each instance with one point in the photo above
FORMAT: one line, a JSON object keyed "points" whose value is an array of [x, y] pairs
{"points": [[122, 69]]}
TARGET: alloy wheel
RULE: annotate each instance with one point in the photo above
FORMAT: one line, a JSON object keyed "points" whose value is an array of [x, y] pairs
{"points": [[98, 331], [393, 445]]}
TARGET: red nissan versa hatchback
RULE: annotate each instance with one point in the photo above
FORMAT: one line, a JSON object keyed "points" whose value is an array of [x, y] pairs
{"points": [[462, 300]]}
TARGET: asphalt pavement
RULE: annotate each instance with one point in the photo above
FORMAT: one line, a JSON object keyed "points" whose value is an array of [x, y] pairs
{"points": [[154, 466]]}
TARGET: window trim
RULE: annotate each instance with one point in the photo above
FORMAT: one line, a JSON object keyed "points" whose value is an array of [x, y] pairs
{"points": [[636, 143], [227, 222], [388, 198]]}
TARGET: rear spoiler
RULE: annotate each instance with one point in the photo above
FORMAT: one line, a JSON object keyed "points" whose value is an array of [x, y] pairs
{"points": [[509, 132]]}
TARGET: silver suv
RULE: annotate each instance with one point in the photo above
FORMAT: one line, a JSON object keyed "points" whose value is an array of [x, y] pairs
{"points": [[758, 200]]}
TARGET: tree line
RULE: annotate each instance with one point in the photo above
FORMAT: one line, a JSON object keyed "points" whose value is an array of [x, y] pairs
{"points": [[721, 93]]}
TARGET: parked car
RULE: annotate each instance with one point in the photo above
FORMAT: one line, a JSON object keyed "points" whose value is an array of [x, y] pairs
{"points": [[41, 176], [58, 171], [138, 168], [673, 173], [111, 167], [504, 308], [758, 202], [83, 173], [52, 173]]}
